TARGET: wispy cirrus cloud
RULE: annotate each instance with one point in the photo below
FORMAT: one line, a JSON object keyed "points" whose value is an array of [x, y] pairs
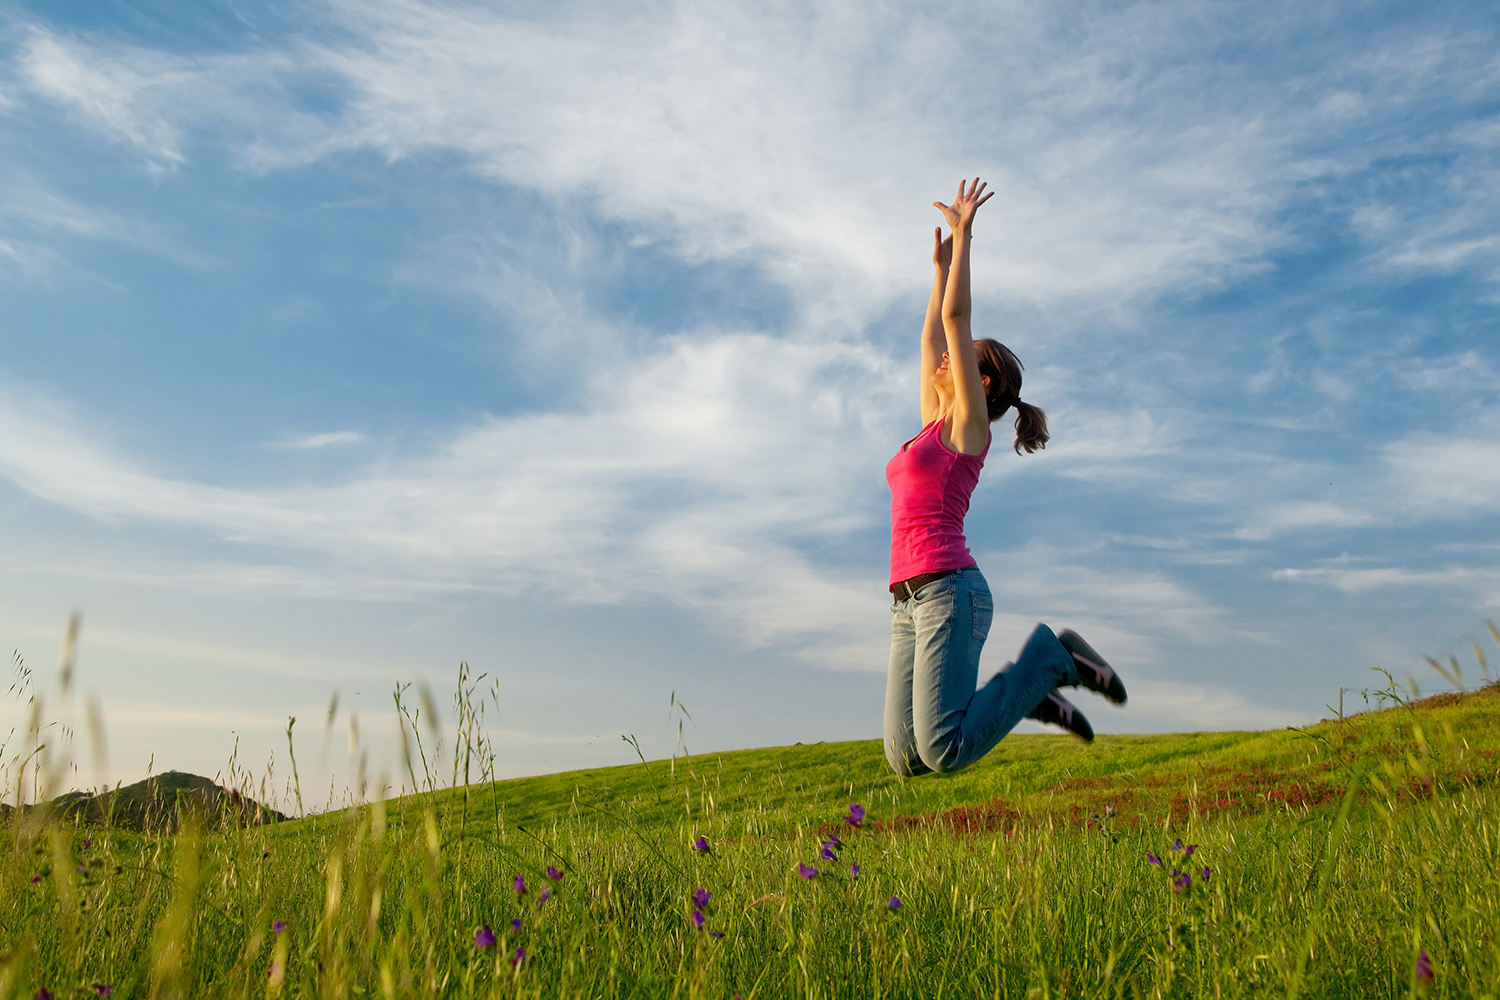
{"points": [[314, 442], [1359, 580], [661, 485], [1456, 474], [712, 130]]}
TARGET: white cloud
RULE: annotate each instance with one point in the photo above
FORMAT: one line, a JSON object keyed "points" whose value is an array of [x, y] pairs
{"points": [[113, 641], [152, 102], [1459, 373], [714, 129], [1126, 614], [1447, 475], [329, 439], [29, 205], [1179, 707], [113, 94], [1302, 514], [809, 140], [696, 478], [1360, 581], [155, 716]]}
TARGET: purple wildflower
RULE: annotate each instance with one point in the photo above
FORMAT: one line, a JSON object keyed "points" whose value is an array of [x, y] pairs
{"points": [[1424, 968], [698, 919], [78, 870], [1177, 844], [278, 926], [701, 898], [827, 854], [1189, 849], [546, 895], [86, 847], [515, 925], [716, 935], [35, 879], [1203, 873], [518, 957], [806, 871], [1183, 881], [833, 842], [519, 885], [43, 994], [554, 874], [854, 873], [484, 937], [894, 903], [1152, 859], [856, 815], [103, 989], [701, 846]]}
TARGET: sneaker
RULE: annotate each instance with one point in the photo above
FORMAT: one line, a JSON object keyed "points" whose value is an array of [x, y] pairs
{"points": [[1055, 710], [1093, 672]]}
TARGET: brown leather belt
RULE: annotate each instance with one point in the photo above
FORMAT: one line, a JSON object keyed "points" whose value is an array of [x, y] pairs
{"points": [[904, 589]]}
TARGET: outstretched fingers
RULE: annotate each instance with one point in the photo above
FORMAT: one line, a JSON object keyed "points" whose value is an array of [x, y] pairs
{"points": [[976, 188], [971, 194]]}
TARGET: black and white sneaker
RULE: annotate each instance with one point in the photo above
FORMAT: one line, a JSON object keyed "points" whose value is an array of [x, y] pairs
{"points": [[1055, 710], [1093, 672]]}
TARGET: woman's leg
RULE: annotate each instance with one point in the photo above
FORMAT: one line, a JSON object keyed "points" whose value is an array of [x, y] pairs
{"points": [[955, 724], [900, 737]]}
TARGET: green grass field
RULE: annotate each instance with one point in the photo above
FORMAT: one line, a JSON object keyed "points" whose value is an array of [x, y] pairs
{"points": [[1335, 858]]}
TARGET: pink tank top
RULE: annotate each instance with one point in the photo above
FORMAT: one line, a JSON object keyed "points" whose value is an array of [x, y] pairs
{"points": [[930, 489]]}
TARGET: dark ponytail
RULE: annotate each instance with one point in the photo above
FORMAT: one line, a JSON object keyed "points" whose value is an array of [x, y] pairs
{"points": [[1004, 391], [1031, 428]]}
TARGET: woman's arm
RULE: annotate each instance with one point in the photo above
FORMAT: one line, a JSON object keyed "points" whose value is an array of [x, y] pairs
{"points": [[970, 429], [934, 340]]}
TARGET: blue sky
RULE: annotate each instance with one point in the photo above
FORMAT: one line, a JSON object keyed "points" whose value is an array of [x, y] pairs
{"points": [[343, 342]]}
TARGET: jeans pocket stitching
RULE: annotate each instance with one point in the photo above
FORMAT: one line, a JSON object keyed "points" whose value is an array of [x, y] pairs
{"points": [[982, 609]]}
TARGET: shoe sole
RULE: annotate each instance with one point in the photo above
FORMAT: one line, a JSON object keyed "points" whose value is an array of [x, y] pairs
{"points": [[1087, 656], [1055, 710]]}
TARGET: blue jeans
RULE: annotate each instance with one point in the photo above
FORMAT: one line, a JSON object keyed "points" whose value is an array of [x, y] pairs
{"points": [[935, 720]]}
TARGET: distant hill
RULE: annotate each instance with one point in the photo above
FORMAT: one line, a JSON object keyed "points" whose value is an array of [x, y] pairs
{"points": [[158, 804]]}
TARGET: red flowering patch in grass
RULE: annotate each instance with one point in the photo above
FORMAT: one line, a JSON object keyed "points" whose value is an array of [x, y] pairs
{"points": [[995, 816], [1123, 802]]}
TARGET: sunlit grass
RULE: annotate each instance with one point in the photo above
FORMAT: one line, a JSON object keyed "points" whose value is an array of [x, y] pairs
{"points": [[1335, 856]]}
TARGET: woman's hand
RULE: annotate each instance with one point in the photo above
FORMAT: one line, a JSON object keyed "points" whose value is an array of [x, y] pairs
{"points": [[942, 250], [960, 214]]}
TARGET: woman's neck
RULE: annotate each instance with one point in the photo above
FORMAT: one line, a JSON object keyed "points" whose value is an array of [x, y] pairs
{"points": [[945, 401]]}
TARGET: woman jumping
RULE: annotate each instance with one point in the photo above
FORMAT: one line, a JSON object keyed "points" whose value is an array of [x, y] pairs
{"points": [[935, 720]]}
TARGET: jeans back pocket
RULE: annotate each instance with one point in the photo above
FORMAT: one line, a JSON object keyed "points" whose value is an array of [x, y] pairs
{"points": [[984, 614]]}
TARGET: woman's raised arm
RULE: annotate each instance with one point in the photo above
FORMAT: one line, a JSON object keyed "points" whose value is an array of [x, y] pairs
{"points": [[934, 340], [970, 429]]}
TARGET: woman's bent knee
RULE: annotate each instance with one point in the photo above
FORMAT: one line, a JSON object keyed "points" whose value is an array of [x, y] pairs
{"points": [[905, 761], [942, 756]]}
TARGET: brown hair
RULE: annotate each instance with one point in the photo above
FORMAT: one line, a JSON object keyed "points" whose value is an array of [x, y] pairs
{"points": [[1004, 391]]}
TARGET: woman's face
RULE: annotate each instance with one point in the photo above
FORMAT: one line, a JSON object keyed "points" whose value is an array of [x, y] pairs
{"points": [[943, 374]]}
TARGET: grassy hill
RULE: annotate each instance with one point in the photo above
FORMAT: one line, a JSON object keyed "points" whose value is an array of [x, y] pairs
{"points": [[157, 805], [1352, 858], [1456, 738]]}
